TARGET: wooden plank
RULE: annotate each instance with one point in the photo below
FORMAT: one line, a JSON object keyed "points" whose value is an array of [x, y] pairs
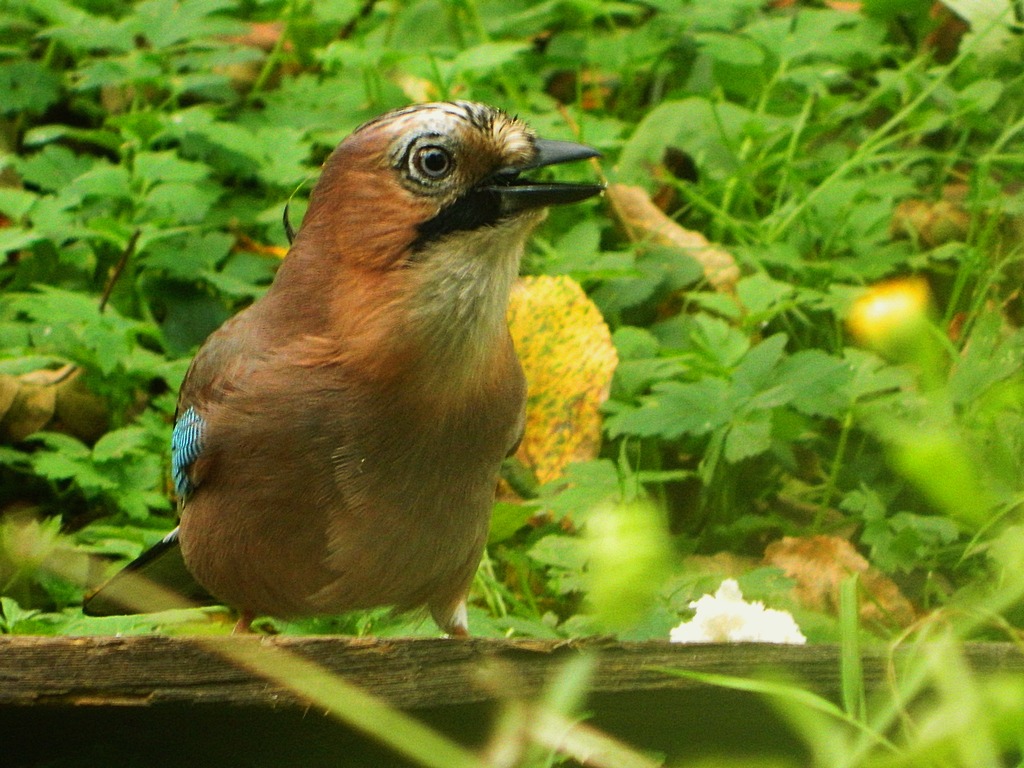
{"points": [[411, 673]]}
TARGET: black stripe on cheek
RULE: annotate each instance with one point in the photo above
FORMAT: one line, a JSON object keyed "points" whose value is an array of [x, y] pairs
{"points": [[477, 208]]}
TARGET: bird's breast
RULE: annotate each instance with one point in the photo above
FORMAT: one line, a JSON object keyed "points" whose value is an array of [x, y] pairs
{"points": [[328, 492]]}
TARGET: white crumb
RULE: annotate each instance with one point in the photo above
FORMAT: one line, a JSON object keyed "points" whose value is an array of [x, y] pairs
{"points": [[726, 617]]}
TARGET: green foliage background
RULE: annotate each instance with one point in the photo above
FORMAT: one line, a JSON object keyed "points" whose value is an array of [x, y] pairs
{"points": [[163, 137]]}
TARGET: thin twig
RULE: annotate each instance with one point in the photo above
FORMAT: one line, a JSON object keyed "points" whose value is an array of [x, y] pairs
{"points": [[350, 27], [129, 251]]}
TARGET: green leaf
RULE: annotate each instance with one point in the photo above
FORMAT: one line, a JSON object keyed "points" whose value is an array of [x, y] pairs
{"points": [[227, 146], [16, 238], [15, 203], [68, 446], [154, 167], [120, 443], [88, 32], [230, 285], [872, 376], [187, 256], [26, 86], [824, 36], [749, 437], [181, 202], [71, 324], [133, 69], [760, 293], [309, 103], [709, 132], [12, 457], [755, 371], [819, 383], [46, 134], [560, 551], [635, 343], [53, 167], [67, 466], [487, 57], [166, 22], [102, 180], [283, 156], [507, 519], [981, 95], [675, 409], [731, 49], [586, 485], [720, 343], [628, 559], [13, 614], [635, 377], [992, 354]]}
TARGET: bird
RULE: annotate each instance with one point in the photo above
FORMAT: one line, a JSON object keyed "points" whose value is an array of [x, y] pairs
{"points": [[337, 444]]}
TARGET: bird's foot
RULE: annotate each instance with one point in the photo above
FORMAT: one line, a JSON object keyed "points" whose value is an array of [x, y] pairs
{"points": [[244, 624]]}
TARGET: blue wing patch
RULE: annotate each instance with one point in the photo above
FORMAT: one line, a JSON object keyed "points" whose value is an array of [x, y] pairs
{"points": [[186, 447]]}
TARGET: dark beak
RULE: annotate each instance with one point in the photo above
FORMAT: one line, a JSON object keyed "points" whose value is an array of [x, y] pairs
{"points": [[523, 194]]}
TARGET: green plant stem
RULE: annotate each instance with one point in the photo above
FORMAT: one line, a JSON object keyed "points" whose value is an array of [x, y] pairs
{"points": [[487, 581], [276, 53], [747, 145], [833, 475], [527, 589], [878, 139], [852, 670], [510, 88], [344, 701], [789, 158]]}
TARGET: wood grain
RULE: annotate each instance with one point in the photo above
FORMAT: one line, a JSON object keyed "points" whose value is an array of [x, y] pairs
{"points": [[142, 671]]}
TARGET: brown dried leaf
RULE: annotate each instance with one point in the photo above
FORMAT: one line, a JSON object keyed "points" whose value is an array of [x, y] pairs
{"points": [[8, 391], [645, 222], [49, 376], [260, 34], [591, 89], [29, 411], [933, 223], [946, 35], [80, 412], [567, 354], [819, 565], [50, 398], [728, 565]]}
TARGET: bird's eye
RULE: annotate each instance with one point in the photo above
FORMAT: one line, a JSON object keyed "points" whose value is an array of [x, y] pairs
{"points": [[433, 162]]}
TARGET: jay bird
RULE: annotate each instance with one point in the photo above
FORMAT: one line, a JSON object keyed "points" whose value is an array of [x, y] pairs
{"points": [[337, 444]]}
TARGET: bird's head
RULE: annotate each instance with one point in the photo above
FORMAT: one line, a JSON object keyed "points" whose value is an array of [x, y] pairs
{"points": [[416, 228], [412, 179]]}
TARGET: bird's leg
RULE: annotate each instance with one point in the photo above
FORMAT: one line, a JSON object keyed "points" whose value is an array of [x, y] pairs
{"points": [[458, 624], [244, 624]]}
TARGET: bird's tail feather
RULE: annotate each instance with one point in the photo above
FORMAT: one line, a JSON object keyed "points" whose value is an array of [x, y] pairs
{"points": [[157, 580]]}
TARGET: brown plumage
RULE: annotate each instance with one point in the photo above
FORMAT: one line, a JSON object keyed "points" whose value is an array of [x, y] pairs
{"points": [[339, 441]]}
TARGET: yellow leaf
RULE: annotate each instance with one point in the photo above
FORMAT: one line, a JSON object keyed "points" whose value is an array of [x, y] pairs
{"points": [[568, 356]]}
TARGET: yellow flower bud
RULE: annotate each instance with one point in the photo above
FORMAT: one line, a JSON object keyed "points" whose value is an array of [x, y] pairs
{"points": [[891, 313]]}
